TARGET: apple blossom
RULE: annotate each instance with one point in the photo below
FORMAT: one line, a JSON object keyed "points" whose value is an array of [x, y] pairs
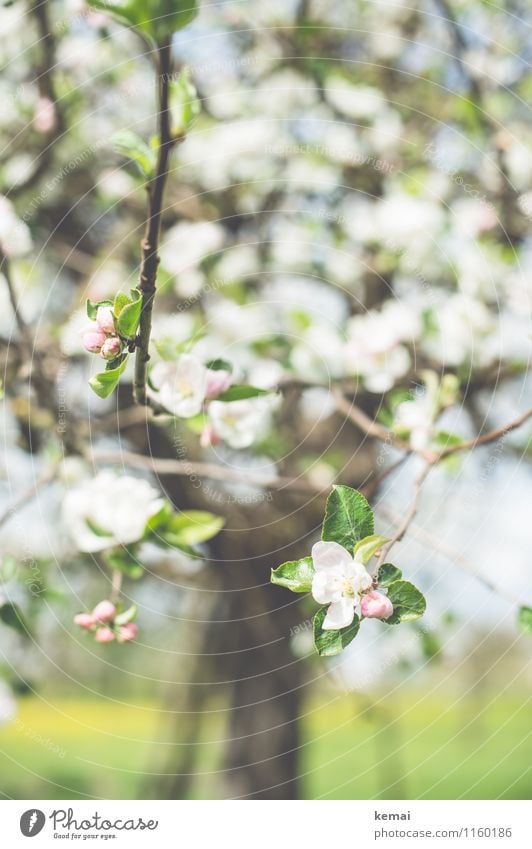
{"points": [[339, 580], [93, 337], [417, 417], [44, 119], [127, 632], [209, 437], [217, 382], [85, 620], [181, 385], [105, 319], [104, 635], [105, 611], [111, 348], [375, 605], [109, 510], [240, 423]]}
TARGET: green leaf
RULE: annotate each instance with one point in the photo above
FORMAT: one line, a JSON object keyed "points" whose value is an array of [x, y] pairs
{"points": [[408, 602], [131, 146], [443, 439], [329, 643], [96, 529], [11, 615], [158, 19], [106, 381], [184, 104], [348, 517], [367, 547], [129, 316], [388, 574], [219, 365], [127, 615], [239, 392], [524, 619], [124, 561], [295, 575]]}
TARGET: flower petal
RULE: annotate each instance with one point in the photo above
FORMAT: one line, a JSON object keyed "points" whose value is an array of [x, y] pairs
{"points": [[330, 555], [326, 586], [340, 614]]}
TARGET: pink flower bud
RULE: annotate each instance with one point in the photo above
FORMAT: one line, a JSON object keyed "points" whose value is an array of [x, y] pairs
{"points": [[45, 118], [209, 437], [104, 635], [105, 320], [84, 620], [111, 348], [93, 338], [105, 611], [217, 382], [128, 632], [375, 605]]}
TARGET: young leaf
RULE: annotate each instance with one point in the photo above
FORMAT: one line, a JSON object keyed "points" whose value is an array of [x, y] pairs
{"points": [[127, 615], [367, 547], [348, 517], [191, 527], [129, 316], [239, 392], [124, 561], [106, 381], [219, 365], [121, 301], [11, 615], [388, 574], [158, 19], [329, 643], [295, 575], [131, 146], [408, 602], [184, 104], [524, 619]]}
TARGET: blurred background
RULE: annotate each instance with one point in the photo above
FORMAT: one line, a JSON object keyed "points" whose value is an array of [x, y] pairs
{"points": [[351, 207]]}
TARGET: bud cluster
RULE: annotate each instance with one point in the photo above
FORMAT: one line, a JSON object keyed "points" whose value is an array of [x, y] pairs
{"points": [[104, 623], [100, 336]]}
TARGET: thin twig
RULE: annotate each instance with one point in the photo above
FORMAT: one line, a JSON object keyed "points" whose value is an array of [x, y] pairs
{"points": [[485, 438], [150, 242], [454, 556], [27, 496], [5, 270], [409, 516]]}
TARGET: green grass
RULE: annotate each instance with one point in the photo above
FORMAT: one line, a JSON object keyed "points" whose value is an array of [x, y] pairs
{"points": [[416, 747]]}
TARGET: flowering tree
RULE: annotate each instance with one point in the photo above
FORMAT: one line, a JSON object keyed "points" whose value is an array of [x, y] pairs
{"points": [[327, 278]]}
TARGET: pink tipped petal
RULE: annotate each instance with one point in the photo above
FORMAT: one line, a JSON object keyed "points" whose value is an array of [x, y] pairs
{"points": [[330, 555], [375, 605], [217, 382], [104, 635], [105, 319], [105, 611], [209, 437], [84, 620], [128, 632], [93, 339], [111, 348], [339, 615]]}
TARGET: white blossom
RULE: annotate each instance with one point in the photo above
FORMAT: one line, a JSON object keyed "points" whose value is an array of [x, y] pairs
{"points": [[240, 423], [15, 239], [181, 385], [109, 510], [339, 580]]}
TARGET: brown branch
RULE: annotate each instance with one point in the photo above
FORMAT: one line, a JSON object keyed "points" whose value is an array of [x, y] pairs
{"points": [[150, 242], [168, 466], [5, 270], [485, 438]]}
